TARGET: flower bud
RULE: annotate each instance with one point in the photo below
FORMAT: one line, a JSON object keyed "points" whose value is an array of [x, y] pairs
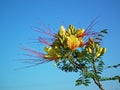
{"points": [[62, 31]]}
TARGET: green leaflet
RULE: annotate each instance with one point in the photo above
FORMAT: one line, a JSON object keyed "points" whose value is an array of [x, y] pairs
{"points": [[104, 31]]}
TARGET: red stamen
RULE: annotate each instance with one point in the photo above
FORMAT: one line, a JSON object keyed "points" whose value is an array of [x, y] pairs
{"points": [[48, 32], [34, 52], [73, 46], [45, 41]]}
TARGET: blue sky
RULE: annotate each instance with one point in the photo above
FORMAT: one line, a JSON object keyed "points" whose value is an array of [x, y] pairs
{"points": [[16, 19]]}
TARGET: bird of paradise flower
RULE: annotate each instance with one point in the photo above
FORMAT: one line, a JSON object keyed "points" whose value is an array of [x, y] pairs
{"points": [[69, 38]]}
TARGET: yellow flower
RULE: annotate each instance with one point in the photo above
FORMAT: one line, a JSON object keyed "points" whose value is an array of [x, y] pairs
{"points": [[80, 32], [52, 54], [81, 43], [73, 42]]}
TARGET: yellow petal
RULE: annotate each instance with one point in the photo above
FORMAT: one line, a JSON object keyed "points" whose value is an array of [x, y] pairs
{"points": [[72, 42]]}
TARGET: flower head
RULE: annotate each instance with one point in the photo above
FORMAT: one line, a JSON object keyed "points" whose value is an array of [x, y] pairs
{"points": [[58, 44], [73, 42]]}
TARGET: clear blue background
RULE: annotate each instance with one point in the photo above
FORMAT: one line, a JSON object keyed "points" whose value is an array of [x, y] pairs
{"points": [[16, 19]]}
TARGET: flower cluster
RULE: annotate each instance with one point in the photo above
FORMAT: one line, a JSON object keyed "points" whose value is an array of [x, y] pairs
{"points": [[66, 42]]}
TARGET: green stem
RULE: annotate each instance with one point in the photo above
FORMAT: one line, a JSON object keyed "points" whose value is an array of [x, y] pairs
{"points": [[72, 61], [96, 81], [79, 66]]}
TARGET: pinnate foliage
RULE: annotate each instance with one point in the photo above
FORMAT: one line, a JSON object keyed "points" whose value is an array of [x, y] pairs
{"points": [[79, 50]]}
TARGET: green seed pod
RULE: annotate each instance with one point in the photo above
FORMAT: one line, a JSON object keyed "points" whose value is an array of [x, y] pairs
{"points": [[98, 54], [103, 51], [90, 50], [100, 50], [97, 47]]}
